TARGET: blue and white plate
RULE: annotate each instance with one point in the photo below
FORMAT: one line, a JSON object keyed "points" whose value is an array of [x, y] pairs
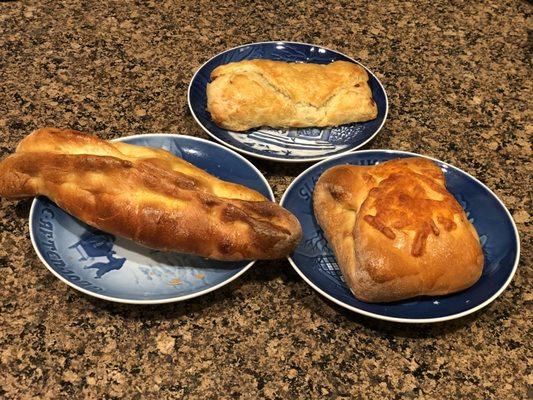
{"points": [[314, 260], [117, 269], [286, 145]]}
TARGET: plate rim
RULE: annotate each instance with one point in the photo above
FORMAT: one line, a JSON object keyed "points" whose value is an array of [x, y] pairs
{"points": [[156, 301], [400, 319], [281, 159]]}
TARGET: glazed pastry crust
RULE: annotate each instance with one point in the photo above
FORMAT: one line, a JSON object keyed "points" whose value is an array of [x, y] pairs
{"points": [[149, 196], [396, 231], [248, 94]]}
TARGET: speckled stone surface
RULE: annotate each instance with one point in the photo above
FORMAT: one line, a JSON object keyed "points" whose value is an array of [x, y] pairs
{"points": [[458, 76]]}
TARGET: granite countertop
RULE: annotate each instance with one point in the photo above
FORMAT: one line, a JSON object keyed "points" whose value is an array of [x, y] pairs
{"points": [[458, 77]]}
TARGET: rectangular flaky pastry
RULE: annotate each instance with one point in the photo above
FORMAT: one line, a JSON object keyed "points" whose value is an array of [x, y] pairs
{"points": [[149, 196], [396, 231], [254, 93]]}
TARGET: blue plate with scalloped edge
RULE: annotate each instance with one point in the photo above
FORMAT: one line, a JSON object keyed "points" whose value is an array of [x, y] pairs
{"points": [[286, 145], [117, 269], [316, 264]]}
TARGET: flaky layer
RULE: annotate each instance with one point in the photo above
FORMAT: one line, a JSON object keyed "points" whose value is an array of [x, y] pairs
{"points": [[254, 93], [396, 231], [149, 196]]}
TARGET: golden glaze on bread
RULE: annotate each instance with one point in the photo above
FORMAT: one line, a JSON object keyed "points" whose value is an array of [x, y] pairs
{"points": [[254, 93], [396, 231], [148, 195]]}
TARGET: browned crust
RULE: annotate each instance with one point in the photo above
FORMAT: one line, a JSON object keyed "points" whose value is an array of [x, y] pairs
{"points": [[149, 196], [396, 231]]}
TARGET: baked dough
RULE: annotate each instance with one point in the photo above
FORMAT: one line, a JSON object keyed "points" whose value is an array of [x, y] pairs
{"points": [[396, 231], [148, 195], [254, 93]]}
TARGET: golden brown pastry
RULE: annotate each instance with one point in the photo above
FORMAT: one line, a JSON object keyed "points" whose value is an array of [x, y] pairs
{"points": [[149, 196], [254, 93], [396, 231]]}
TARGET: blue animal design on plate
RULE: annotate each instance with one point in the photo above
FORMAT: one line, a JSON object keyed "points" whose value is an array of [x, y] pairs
{"points": [[95, 244], [103, 268], [305, 144], [315, 262], [114, 268]]}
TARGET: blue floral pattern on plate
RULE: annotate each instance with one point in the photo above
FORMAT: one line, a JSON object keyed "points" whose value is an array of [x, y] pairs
{"points": [[315, 262], [288, 145], [117, 269]]}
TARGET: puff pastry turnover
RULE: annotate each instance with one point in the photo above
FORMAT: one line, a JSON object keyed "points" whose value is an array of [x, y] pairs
{"points": [[396, 231], [254, 93], [148, 195]]}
